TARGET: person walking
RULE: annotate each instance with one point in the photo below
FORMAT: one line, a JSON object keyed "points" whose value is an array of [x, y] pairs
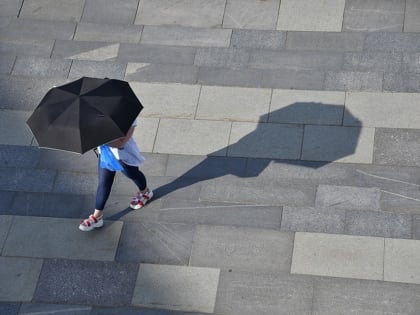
{"points": [[120, 155]]}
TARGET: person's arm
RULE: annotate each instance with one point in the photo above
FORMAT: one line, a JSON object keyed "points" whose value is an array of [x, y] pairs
{"points": [[120, 143]]}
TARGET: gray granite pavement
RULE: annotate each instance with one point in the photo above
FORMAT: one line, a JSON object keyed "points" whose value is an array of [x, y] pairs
{"points": [[281, 141]]}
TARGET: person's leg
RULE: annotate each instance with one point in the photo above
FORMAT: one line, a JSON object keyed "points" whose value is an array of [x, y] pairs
{"points": [[144, 194], [105, 181]]}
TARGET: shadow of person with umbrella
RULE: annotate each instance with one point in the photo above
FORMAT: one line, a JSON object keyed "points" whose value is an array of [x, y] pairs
{"points": [[317, 136]]}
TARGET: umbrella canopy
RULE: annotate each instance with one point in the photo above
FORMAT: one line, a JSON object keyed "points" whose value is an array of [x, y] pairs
{"points": [[85, 113]]}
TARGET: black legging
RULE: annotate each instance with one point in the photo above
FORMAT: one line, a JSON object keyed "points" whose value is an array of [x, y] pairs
{"points": [[106, 179]]}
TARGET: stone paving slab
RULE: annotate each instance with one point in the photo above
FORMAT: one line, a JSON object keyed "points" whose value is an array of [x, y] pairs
{"points": [[181, 136], [167, 100], [9, 308], [41, 67], [10, 7], [186, 36], [373, 61], [354, 81], [346, 296], [110, 12], [34, 180], [248, 293], [74, 183], [263, 217], [7, 63], [337, 255], [139, 310], [52, 10], [10, 135], [338, 144], [125, 33], [163, 73], [81, 50], [401, 260], [19, 277], [347, 198], [29, 47], [373, 16], [382, 110], [306, 107], [260, 140], [301, 15], [44, 238], [145, 133], [98, 69], [325, 41], [401, 82], [156, 54], [40, 308], [403, 150], [411, 21], [192, 13], [5, 224], [240, 248], [222, 57], [378, 223], [64, 282], [392, 42], [234, 104], [258, 39], [176, 287], [155, 243], [310, 219], [410, 63]]}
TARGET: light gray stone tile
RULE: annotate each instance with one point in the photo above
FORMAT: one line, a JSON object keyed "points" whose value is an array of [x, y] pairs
{"points": [[70, 10], [14, 130], [182, 136], [257, 15], [258, 39], [221, 57], [241, 248], [325, 41], [5, 224], [255, 191], [373, 16], [291, 79], [310, 219], [41, 67], [10, 7], [411, 21], [401, 260], [382, 110], [19, 277], [338, 144], [167, 100], [82, 50], [334, 255], [301, 15], [36, 308], [125, 33], [63, 281], [145, 133], [347, 197], [233, 104], [44, 238], [38, 29], [392, 42], [110, 11], [402, 150], [7, 63], [296, 60], [146, 72], [156, 54], [30, 180], [255, 216], [402, 82], [155, 243], [185, 36], [307, 107], [250, 293], [416, 226], [67, 161], [24, 93], [411, 62], [346, 296], [378, 223], [176, 287], [26, 46], [263, 140], [97, 69], [201, 13], [75, 183], [353, 81], [373, 61], [231, 77]]}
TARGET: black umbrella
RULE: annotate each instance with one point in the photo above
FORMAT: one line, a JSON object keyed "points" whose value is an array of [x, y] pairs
{"points": [[83, 114]]}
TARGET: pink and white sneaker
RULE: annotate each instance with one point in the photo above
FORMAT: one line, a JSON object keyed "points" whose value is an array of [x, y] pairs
{"points": [[140, 200]]}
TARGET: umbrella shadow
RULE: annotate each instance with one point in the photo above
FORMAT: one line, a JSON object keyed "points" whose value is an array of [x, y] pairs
{"points": [[308, 134]]}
